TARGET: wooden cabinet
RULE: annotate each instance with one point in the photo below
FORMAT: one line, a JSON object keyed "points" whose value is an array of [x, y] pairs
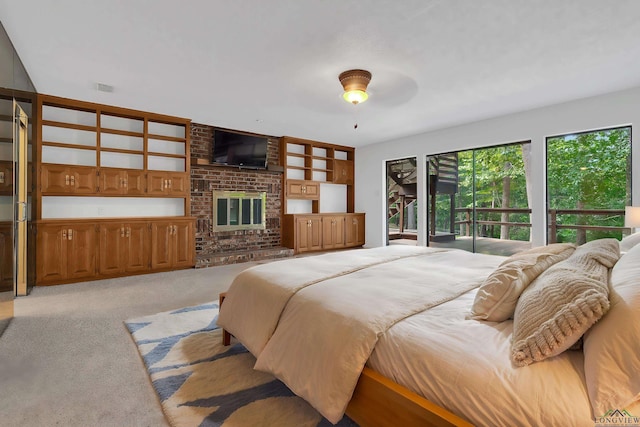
{"points": [[63, 179], [172, 244], [66, 252], [308, 233], [6, 257], [354, 229], [167, 183], [124, 247], [70, 251], [122, 182], [333, 236], [314, 232], [303, 190], [6, 178], [307, 164], [343, 172]]}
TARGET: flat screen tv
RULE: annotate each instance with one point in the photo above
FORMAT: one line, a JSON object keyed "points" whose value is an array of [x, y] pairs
{"points": [[238, 149]]}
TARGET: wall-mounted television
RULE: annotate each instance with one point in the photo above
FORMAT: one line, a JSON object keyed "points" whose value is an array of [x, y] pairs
{"points": [[239, 149]]}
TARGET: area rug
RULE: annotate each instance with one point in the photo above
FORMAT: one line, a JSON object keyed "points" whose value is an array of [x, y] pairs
{"points": [[200, 382]]}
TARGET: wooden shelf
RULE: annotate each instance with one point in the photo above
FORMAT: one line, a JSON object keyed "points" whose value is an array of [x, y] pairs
{"points": [[336, 162]]}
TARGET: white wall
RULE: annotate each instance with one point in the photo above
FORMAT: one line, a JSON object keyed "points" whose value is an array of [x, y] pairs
{"points": [[610, 110]]}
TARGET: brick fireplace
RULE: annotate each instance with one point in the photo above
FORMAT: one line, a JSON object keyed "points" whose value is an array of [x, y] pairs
{"points": [[228, 247]]}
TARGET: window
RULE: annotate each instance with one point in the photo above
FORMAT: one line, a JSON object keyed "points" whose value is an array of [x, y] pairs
{"points": [[588, 184], [233, 210]]}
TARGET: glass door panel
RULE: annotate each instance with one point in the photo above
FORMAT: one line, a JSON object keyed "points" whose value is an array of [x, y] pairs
{"points": [[478, 200], [20, 215]]}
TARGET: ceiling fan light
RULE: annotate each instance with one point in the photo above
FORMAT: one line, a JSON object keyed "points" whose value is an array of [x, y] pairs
{"points": [[355, 84], [355, 96]]}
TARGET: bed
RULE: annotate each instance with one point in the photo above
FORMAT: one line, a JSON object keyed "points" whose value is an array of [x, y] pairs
{"points": [[391, 332]]}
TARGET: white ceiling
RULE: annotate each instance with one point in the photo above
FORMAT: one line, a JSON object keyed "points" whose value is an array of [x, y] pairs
{"points": [[271, 67]]}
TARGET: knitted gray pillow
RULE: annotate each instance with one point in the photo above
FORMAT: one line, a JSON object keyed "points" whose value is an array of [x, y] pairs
{"points": [[563, 303]]}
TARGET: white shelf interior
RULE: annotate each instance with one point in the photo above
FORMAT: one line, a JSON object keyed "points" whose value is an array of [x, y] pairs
{"points": [[110, 207], [66, 115]]}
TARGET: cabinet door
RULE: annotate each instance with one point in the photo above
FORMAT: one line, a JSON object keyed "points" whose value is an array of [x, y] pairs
{"points": [[312, 190], [51, 256], [294, 189], [161, 244], [332, 232], [354, 230], [83, 180], [112, 238], [55, 179], [81, 251], [112, 181], [343, 171], [157, 183], [136, 253], [178, 183], [309, 233], [134, 183], [184, 244], [6, 258]]}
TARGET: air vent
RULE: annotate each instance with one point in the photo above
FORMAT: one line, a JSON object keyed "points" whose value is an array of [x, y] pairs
{"points": [[101, 87]]}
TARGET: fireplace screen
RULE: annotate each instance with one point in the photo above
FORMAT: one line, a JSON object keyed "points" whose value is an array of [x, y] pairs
{"points": [[238, 210]]}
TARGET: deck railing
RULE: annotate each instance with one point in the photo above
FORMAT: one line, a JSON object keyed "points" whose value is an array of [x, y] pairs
{"points": [[465, 225]]}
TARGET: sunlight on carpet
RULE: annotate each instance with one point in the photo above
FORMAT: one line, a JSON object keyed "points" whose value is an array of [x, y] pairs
{"points": [[200, 382]]}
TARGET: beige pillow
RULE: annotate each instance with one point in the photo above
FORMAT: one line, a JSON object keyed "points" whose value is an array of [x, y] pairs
{"points": [[612, 346], [497, 297], [563, 302]]}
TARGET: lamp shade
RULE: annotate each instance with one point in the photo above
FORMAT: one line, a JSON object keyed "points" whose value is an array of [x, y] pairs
{"points": [[355, 84], [632, 216]]}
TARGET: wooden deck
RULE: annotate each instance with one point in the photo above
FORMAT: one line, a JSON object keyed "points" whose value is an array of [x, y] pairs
{"points": [[484, 245]]}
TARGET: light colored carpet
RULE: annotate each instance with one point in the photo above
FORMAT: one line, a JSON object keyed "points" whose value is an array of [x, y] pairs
{"points": [[202, 383], [66, 359]]}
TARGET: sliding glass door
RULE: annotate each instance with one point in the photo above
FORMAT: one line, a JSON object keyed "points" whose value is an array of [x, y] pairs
{"points": [[478, 199]]}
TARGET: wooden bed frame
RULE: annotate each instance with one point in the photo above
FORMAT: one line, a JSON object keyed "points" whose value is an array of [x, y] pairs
{"points": [[378, 401]]}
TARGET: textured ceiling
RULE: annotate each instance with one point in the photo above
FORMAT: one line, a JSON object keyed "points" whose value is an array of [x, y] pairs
{"points": [[271, 67]]}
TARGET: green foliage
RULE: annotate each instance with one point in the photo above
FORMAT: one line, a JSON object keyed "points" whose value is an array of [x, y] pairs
{"points": [[589, 171], [584, 171]]}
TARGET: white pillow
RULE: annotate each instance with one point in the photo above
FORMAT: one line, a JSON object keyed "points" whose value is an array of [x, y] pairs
{"points": [[629, 242], [612, 346], [563, 303], [498, 295]]}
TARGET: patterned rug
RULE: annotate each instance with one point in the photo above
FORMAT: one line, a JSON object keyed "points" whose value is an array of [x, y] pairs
{"points": [[200, 382]]}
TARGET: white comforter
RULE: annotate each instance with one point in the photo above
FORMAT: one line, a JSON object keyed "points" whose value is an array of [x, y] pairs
{"points": [[464, 366], [320, 357]]}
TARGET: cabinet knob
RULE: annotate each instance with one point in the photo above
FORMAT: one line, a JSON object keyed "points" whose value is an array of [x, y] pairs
{"points": [[128, 231], [73, 180], [121, 231], [66, 180], [70, 234], [170, 182], [1, 177], [64, 234]]}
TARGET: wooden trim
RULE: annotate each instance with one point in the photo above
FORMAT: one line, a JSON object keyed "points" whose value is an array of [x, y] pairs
{"points": [[37, 158], [318, 144], [122, 150], [167, 138], [121, 132], [111, 110], [158, 154], [53, 123], [378, 401], [187, 169], [66, 145]]}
